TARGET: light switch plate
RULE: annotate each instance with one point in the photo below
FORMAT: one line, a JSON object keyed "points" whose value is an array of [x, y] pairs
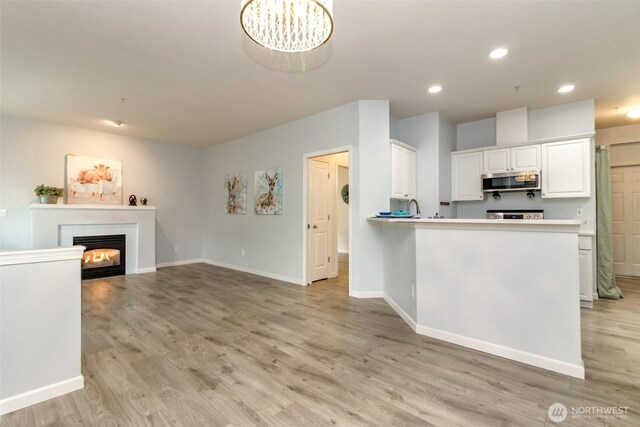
{"points": [[3, 212]]}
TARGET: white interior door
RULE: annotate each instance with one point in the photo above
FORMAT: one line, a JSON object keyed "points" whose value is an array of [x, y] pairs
{"points": [[625, 209], [318, 253]]}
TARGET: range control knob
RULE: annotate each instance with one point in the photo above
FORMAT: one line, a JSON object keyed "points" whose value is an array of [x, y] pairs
{"points": [[529, 217]]}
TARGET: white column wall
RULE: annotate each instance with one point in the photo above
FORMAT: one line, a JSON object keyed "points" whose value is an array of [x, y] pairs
{"points": [[39, 326]]}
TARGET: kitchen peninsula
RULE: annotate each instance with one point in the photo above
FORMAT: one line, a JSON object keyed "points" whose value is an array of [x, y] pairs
{"points": [[509, 288]]}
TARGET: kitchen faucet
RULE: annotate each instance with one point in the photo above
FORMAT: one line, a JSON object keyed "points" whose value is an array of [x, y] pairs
{"points": [[409, 206]]}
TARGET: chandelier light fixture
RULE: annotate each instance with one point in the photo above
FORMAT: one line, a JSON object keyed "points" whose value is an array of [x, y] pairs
{"points": [[288, 25]]}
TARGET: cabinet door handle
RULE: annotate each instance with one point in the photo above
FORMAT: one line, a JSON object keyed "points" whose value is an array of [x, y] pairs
{"points": [[315, 226]]}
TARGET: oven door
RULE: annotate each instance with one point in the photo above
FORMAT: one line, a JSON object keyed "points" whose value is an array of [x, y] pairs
{"points": [[521, 181]]}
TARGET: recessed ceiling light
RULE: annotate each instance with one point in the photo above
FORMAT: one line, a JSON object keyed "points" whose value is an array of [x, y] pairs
{"points": [[634, 113], [498, 53], [116, 123], [566, 88], [435, 89]]}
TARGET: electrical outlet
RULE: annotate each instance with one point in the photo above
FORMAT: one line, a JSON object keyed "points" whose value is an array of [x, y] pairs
{"points": [[242, 252], [3, 212], [579, 212], [460, 214], [175, 248]]}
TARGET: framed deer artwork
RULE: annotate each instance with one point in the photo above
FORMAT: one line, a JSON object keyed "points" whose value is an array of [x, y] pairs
{"points": [[92, 181], [235, 188], [267, 188]]}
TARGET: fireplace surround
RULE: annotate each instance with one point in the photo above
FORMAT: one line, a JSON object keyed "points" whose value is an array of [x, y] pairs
{"points": [[104, 255], [56, 225]]}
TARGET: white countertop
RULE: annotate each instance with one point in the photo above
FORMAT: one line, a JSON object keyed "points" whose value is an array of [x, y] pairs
{"points": [[568, 225], [30, 256], [481, 221]]}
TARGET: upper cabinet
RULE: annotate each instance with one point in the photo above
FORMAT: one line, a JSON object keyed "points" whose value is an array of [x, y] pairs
{"points": [[466, 181], [403, 171], [497, 161], [525, 158], [512, 159], [566, 169]]}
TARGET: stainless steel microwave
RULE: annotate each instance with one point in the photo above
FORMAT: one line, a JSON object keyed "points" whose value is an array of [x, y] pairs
{"points": [[511, 181]]}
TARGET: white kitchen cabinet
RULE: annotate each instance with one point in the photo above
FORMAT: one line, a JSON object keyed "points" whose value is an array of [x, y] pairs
{"points": [[403, 171], [497, 161], [466, 181], [587, 272], [566, 169], [524, 158]]}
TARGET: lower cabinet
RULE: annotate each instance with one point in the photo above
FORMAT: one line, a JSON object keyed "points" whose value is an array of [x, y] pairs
{"points": [[587, 271]]}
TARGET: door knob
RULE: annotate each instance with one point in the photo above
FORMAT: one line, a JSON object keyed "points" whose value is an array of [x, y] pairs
{"points": [[315, 226]]}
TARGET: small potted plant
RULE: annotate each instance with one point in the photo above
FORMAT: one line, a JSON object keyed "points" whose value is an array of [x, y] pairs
{"points": [[48, 195]]}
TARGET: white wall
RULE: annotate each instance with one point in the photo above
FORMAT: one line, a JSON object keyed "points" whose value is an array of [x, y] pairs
{"points": [[477, 134], [273, 245], [33, 152], [343, 211], [40, 337], [394, 128], [561, 120], [618, 135], [422, 133], [446, 144], [371, 195], [434, 136]]}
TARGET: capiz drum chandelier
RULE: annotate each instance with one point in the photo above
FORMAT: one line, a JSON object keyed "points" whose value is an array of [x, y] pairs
{"points": [[288, 25]]}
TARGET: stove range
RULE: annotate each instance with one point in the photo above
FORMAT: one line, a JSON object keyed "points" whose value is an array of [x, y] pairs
{"points": [[515, 214]]}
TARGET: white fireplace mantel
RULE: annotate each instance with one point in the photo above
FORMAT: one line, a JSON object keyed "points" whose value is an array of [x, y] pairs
{"points": [[55, 225]]}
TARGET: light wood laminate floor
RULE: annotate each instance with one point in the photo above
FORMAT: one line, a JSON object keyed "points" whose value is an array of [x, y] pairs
{"points": [[198, 345]]}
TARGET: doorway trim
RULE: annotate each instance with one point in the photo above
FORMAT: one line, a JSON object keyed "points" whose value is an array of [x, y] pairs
{"points": [[305, 213]]}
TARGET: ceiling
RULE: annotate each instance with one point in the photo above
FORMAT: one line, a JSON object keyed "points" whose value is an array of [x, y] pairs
{"points": [[190, 76]]}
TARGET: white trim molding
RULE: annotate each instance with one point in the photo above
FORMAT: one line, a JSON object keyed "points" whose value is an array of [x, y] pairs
{"points": [[366, 294], [570, 369], [280, 277], [41, 394], [182, 262], [401, 312], [41, 255]]}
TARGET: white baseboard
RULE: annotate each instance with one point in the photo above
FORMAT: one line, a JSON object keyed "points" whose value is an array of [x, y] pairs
{"points": [[365, 294], [400, 312], [41, 394], [573, 370], [586, 304], [183, 262], [256, 272], [146, 270]]}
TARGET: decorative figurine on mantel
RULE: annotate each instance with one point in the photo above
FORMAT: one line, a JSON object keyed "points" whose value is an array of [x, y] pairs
{"points": [[143, 201], [133, 201]]}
